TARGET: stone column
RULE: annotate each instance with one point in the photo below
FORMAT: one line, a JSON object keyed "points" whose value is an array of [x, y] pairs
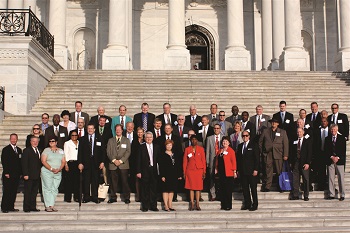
{"points": [[236, 55], [31, 4], [15, 4], [177, 57], [116, 55], [57, 27], [294, 57], [342, 61], [278, 33], [266, 33]]}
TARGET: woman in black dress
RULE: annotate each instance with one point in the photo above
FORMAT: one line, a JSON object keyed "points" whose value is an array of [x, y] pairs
{"points": [[36, 131], [135, 146], [169, 170]]}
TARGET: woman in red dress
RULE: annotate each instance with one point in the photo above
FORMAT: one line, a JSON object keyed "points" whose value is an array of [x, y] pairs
{"points": [[194, 167]]}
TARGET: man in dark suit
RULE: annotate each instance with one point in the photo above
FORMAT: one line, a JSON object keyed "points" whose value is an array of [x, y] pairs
{"points": [[157, 129], [91, 158], [11, 164], [274, 146], [56, 130], [31, 165], [205, 131], [247, 167], [103, 129], [167, 117], [235, 116], [335, 145], [100, 112], [144, 119], [247, 125], [213, 115], [314, 116], [130, 133], [285, 119], [147, 172], [260, 121], [81, 130], [341, 120], [302, 153], [193, 121], [74, 116], [180, 129]]}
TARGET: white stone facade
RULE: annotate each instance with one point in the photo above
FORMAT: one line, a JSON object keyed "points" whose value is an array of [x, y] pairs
{"points": [[150, 34]]}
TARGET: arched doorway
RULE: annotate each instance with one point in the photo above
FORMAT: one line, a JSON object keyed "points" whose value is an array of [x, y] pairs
{"points": [[200, 42]]}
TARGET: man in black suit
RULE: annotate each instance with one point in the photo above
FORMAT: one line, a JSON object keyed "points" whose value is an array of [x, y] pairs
{"points": [[144, 119], [213, 115], [180, 129], [157, 129], [247, 125], [147, 173], [103, 129], [167, 117], [193, 121], [11, 164], [235, 116], [314, 116], [91, 158], [74, 116], [100, 112], [285, 119], [302, 153], [247, 167], [205, 131], [31, 165], [56, 130], [81, 130], [341, 120]]}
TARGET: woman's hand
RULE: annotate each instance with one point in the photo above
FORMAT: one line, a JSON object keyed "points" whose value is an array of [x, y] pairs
{"points": [[163, 179], [203, 176], [66, 168]]}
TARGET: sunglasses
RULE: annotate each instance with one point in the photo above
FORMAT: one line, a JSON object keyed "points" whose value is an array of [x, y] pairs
{"points": [[52, 141], [36, 128], [245, 135]]}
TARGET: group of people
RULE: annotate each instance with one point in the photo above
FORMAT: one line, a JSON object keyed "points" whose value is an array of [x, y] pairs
{"points": [[163, 154]]}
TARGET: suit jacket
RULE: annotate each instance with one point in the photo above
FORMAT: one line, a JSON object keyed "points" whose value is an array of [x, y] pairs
{"points": [[155, 134], [177, 148], [305, 151], [184, 135], [251, 128], [211, 119], [99, 150], [94, 120], [210, 151], [11, 162], [134, 135], [173, 119], [229, 162], [278, 147], [138, 120], [107, 134], [210, 132], [317, 142], [264, 122], [62, 136], [228, 128], [82, 114], [123, 153], [31, 163], [248, 161], [116, 121], [287, 125], [342, 122], [196, 124], [338, 150], [317, 122], [143, 161], [232, 119]]}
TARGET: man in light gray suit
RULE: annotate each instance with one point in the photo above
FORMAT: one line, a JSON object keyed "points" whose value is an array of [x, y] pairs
{"points": [[212, 150], [226, 127], [213, 115], [118, 153], [260, 120]]}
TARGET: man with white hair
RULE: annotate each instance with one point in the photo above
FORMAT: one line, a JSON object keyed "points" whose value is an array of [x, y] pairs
{"points": [[193, 121], [95, 119]]}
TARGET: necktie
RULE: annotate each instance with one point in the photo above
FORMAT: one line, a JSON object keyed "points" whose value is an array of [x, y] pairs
{"points": [[118, 143], [167, 138], [76, 119], [90, 146], [122, 121], [168, 119], [158, 134], [323, 137], [192, 120], [56, 131], [37, 152], [243, 126], [333, 118], [244, 147], [204, 133], [79, 133], [150, 155], [298, 149], [144, 123], [313, 116], [180, 131], [216, 145], [282, 116], [334, 140], [259, 122], [101, 130], [15, 149]]}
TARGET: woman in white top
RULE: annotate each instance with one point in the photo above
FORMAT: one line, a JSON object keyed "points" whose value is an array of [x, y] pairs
{"points": [[70, 125], [71, 171]]}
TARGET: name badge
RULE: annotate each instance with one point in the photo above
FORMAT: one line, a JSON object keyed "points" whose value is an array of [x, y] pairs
{"points": [[175, 123], [278, 134], [185, 135], [262, 119], [107, 121], [199, 124], [307, 136], [287, 121], [189, 155], [225, 153], [124, 146], [295, 142], [20, 155], [340, 121], [200, 131], [307, 126], [98, 143], [62, 135], [250, 149]]}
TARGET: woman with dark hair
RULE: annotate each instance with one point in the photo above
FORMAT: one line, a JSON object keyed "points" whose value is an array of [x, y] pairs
{"points": [[226, 168], [70, 125], [37, 132], [53, 162], [194, 168]]}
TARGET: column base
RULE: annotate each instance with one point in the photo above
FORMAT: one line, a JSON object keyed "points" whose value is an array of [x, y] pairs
{"points": [[177, 59], [297, 60], [342, 61], [115, 59], [237, 60], [62, 56]]}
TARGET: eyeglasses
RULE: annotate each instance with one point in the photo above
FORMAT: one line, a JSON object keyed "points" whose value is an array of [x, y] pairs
{"points": [[180, 119], [245, 136], [36, 128], [52, 141]]}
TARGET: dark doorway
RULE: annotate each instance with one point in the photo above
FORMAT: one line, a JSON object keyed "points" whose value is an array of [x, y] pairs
{"points": [[199, 55]]}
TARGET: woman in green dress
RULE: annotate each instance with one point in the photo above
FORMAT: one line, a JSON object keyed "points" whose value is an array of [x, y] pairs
{"points": [[53, 161]]}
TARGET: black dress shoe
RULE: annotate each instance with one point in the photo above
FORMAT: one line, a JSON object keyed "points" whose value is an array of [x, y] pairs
{"points": [[69, 201], [111, 201], [14, 210], [306, 198], [27, 211], [175, 200], [97, 201], [227, 209], [330, 198], [265, 190], [245, 208], [85, 201], [342, 199], [127, 201], [144, 209], [253, 208], [294, 198], [154, 209], [35, 210], [4, 211]]}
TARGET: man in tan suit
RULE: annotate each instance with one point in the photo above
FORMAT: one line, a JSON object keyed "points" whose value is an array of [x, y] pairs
{"points": [[273, 145], [118, 153]]}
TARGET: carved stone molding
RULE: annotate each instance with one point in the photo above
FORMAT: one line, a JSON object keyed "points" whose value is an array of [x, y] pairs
{"points": [[84, 1], [13, 53]]}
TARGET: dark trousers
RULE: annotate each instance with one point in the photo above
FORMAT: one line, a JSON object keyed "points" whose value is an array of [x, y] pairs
{"points": [[9, 192], [31, 188], [149, 189], [91, 177], [249, 186], [226, 189], [71, 183], [320, 169], [123, 175], [297, 171]]}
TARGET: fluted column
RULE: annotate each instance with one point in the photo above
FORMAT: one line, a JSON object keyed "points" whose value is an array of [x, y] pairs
{"points": [[266, 34], [294, 57], [177, 57], [278, 34], [57, 27], [343, 57], [15, 4], [116, 55], [31, 4], [236, 55]]}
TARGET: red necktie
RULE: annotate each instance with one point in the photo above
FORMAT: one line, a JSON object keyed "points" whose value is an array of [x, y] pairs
{"points": [[180, 131], [158, 133], [80, 133], [217, 145]]}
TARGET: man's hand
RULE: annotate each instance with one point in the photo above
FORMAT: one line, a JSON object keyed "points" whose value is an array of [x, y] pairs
{"points": [[81, 167], [102, 165], [285, 158], [26, 177], [7, 176], [255, 173], [117, 163], [306, 166]]}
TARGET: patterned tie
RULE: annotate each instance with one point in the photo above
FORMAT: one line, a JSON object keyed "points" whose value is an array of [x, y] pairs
{"points": [[298, 149], [168, 119], [15, 149], [259, 122], [144, 123], [118, 143], [90, 146], [37, 152], [56, 131], [217, 145], [122, 122], [101, 130], [158, 134]]}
